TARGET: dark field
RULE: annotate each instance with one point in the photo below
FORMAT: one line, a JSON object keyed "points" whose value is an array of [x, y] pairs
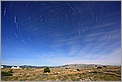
{"points": [[109, 73]]}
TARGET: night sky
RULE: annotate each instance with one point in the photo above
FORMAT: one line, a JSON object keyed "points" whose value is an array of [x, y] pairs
{"points": [[54, 33]]}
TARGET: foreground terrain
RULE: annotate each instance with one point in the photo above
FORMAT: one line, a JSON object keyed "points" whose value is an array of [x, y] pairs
{"points": [[109, 73]]}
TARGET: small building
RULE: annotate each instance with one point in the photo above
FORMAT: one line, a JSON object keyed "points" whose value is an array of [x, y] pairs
{"points": [[18, 67], [2, 67], [13, 67]]}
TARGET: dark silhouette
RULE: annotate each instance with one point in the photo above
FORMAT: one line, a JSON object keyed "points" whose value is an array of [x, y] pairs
{"points": [[47, 70]]}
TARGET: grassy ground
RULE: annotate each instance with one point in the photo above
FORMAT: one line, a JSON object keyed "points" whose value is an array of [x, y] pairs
{"points": [[111, 73]]}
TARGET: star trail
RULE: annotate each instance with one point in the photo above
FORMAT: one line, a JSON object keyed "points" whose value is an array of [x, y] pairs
{"points": [[61, 32]]}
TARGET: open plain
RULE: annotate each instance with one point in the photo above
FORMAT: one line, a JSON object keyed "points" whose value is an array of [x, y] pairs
{"points": [[109, 73]]}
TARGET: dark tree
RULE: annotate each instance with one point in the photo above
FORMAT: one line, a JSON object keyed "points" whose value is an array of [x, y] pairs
{"points": [[9, 73], [78, 70], [47, 70]]}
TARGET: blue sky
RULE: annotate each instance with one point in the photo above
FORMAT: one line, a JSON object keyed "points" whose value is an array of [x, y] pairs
{"points": [[58, 33]]}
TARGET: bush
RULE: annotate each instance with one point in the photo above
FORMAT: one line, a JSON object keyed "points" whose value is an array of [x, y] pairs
{"points": [[78, 70], [9, 73], [47, 70], [6, 73]]}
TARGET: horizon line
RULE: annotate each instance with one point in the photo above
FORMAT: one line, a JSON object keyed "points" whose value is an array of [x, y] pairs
{"points": [[61, 65]]}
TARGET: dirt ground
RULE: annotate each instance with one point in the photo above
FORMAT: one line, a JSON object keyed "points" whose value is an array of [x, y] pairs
{"points": [[110, 73]]}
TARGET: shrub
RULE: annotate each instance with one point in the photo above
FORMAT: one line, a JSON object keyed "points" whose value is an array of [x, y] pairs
{"points": [[10, 71], [78, 70], [47, 70], [6, 73]]}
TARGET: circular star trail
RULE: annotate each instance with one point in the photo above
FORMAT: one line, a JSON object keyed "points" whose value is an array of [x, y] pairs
{"points": [[62, 30]]}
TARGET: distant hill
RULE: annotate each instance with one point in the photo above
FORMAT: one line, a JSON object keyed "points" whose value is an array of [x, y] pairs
{"points": [[80, 65], [6, 66], [63, 66], [24, 66]]}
